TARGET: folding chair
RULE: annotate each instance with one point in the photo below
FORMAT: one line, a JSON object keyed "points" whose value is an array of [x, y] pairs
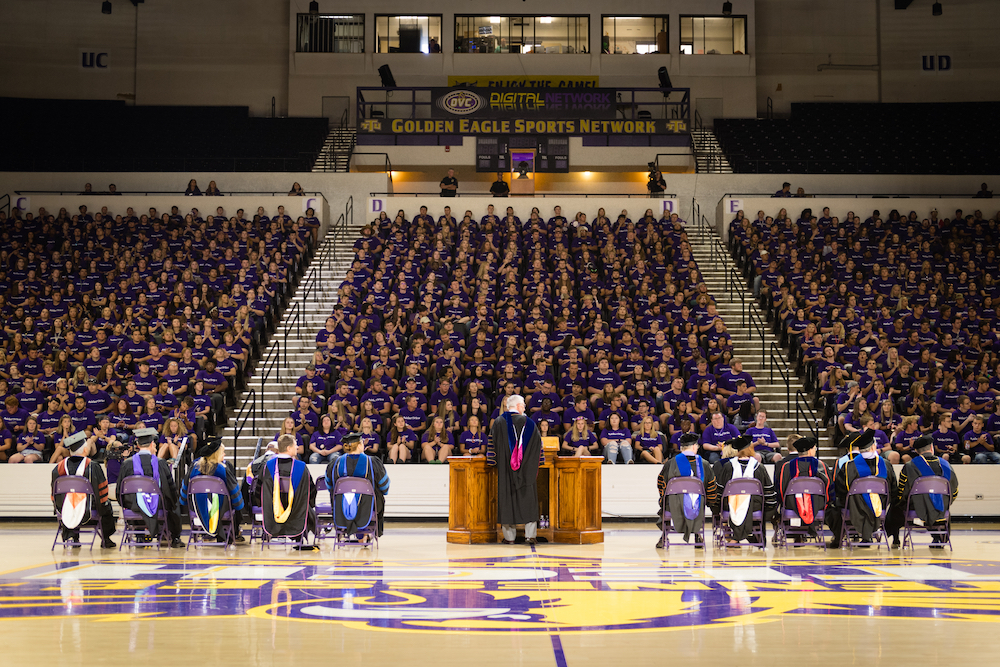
{"points": [[361, 486], [135, 522], [924, 486], [805, 486], [268, 540], [92, 524], [210, 484], [324, 511], [860, 487], [742, 487], [680, 486]]}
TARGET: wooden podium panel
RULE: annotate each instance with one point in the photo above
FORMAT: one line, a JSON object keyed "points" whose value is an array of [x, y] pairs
{"points": [[472, 501], [576, 518], [569, 493]]}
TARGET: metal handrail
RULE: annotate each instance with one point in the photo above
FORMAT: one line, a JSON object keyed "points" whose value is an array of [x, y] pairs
{"points": [[780, 364], [757, 324], [734, 285], [5, 204], [243, 415], [860, 195], [296, 319], [349, 212], [268, 366], [804, 410]]}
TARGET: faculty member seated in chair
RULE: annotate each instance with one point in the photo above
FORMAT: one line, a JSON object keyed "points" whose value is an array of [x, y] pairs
{"points": [[687, 514], [808, 507], [865, 509], [743, 466], [288, 495], [355, 463], [211, 460], [76, 511], [929, 509], [146, 464]]}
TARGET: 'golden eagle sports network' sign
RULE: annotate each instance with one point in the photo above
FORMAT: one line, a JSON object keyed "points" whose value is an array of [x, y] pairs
{"points": [[484, 111]]}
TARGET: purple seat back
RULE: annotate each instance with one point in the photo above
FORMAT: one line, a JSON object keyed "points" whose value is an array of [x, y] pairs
{"points": [[739, 487], [207, 484], [810, 486], [138, 484], [866, 485], [72, 484], [321, 484], [931, 484], [679, 485], [353, 485]]}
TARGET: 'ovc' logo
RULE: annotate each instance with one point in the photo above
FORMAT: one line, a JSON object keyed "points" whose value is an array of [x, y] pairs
{"points": [[461, 102]]}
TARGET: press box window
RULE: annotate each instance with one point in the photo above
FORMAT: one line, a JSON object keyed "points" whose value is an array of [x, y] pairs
{"points": [[522, 34], [330, 33], [408, 34], [634, 34], [724, 35]]}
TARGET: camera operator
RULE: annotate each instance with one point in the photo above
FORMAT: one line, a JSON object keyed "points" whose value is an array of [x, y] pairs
{"points": [[656, 184]]}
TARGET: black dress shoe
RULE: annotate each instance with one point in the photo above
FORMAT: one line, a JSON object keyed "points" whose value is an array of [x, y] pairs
{"points": [[176, 543], [530, 541], [659, 544], [506, 541], [106, 543]]}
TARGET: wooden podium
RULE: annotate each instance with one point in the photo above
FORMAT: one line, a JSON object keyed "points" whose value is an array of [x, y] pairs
{"points": [[569, 493]]}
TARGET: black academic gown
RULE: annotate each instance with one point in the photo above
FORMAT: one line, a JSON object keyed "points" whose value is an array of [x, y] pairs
{"points": [[681, 523], [922, 505], [517, 490], [93, 472], [786, 470], [767, 504], [302, 516], [863, 518], [168, 493], [375, 474]]}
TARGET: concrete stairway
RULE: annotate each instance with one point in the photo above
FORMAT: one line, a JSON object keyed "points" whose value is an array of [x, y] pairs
{"points": [[708, 155], [295, 336], [337, 149], [715, 264]]}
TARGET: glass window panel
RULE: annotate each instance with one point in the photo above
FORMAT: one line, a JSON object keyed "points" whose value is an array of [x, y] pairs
{"points": [[634, 34], [408, 34], [713, 34], [330, 33], [521, 34]]}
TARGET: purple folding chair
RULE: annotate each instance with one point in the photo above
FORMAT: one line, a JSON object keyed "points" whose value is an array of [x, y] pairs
{"points": [[860, 487], [324, 511], [361, 486], [284, 483], [942, 530], [741, 487], [76, 484], [205, 484], [806, 486], [679, 486], [135, 522]]}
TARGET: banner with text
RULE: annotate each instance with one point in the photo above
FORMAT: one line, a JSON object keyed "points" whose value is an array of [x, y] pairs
{"points": [[527, 103], [487, 81]]}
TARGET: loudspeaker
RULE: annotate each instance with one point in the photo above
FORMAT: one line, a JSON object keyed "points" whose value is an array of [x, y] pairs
{"points": [[664, 78], [386, 75]]}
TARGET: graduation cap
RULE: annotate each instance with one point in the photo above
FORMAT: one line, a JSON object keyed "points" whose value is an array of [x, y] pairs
{"points": [[144, 436], [351, 437], [740, 442], [923, 442], [75, 441], [209, 449], [805, 444], [688, 439]]}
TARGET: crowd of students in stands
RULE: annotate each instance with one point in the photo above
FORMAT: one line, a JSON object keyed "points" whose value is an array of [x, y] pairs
{"points": [[605, 326], [892, 320], [115, 321]]}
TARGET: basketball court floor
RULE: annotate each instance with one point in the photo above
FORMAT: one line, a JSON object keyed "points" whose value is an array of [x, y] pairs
{"points": [[421, 601]]}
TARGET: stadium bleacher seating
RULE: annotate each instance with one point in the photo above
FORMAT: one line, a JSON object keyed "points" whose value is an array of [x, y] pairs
{"points": [[434, 307], [892, 316], [88, 135], [88, 299], [866, 138]]}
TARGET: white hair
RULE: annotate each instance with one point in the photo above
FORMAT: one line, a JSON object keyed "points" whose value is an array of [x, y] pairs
{"points": [[514, 399]]}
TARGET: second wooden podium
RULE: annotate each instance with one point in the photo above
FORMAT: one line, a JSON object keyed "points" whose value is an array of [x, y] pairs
{"points": [[569, 494]]}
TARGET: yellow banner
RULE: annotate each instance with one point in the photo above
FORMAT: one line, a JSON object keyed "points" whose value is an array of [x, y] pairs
{"points": [[524, 81]]}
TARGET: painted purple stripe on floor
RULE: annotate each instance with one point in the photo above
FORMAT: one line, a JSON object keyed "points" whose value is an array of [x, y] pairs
{"points": [[558, 650]]}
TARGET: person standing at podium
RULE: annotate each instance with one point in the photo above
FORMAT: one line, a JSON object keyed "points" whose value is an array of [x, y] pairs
{"points": [[515, 448]]}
